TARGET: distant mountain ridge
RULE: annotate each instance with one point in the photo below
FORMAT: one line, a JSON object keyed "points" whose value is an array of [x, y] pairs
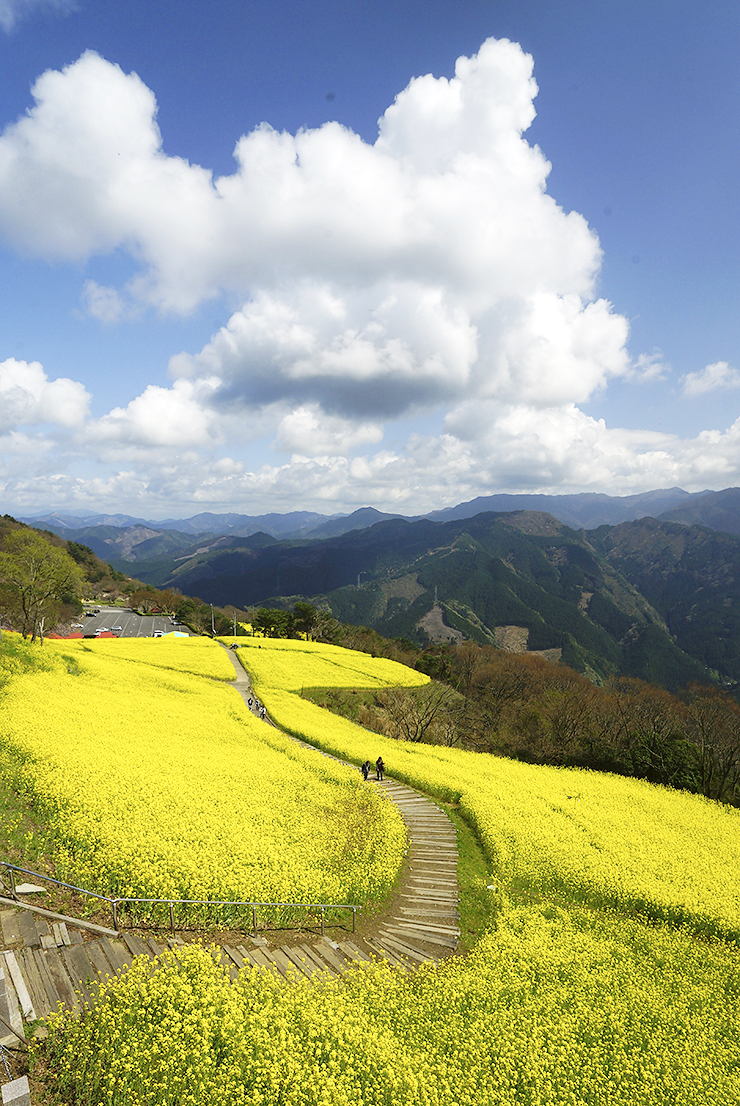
{"points": [[715, 510], [646, 597], [480, 577], [583, 510], [292, 524]]}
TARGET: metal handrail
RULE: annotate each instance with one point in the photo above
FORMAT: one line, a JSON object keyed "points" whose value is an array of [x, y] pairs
{"points": [[117, 902]]}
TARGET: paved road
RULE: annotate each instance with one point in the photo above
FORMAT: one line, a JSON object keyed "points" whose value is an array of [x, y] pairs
{"points": [[132, 624]]}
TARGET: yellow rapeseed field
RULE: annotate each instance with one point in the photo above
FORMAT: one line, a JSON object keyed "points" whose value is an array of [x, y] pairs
{"points": [[290, 664], [181, 654], [547, 1011], [577, 999], [156, 783], [609, 840]]}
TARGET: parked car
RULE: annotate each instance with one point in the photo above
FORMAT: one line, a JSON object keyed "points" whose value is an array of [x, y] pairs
{"points": [[158, 633], [77, 626], [116, 629]]}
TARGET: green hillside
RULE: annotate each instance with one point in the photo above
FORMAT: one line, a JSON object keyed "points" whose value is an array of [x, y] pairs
{"points": [[522, 569], [691, 576]]}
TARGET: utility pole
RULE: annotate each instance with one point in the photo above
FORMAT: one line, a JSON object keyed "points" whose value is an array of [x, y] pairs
{"points": [[213, 626]]}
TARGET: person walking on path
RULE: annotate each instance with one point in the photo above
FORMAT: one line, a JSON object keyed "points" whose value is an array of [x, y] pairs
{"points": [[365, 770], [379, 768]]}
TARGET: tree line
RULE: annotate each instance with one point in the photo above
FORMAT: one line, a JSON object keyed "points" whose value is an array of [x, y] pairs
{"points": [[526, 708]]}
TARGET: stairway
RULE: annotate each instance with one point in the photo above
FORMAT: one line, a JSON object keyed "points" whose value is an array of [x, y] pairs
{"points": [[47, 962], [427, 914]]}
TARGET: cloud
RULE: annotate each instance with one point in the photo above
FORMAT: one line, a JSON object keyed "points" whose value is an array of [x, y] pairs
{"points": [[13, 11], [169, 417], [429, 272], [103, 303], [377, 280], [712, 377], [648, 368], [308, 431], [485, 447], [374, 352], [29, 398]]}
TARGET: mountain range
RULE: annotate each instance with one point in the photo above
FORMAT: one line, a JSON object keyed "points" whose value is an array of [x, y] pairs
{"points": [[650, 595], [585, 509]]}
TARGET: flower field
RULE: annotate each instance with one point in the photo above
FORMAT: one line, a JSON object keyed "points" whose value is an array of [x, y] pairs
{"points": [[157, 783], [182, 654], [290, 664], [547, 1011], [610, 841], [619, 984]]}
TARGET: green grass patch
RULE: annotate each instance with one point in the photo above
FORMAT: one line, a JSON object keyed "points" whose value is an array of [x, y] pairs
{"points": [[17, 822], [478, 905], [347, 702]]}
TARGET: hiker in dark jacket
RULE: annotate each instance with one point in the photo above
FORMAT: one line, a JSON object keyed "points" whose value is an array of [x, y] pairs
{"points": [[379, 768], [365, 770]]}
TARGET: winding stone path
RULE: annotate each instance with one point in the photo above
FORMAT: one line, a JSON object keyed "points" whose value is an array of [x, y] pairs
{"points": [[44, 963], [425, 926]]}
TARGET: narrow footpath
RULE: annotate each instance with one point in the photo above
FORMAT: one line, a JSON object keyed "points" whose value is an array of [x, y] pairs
{"points": [[425, 926], [46, 961]]}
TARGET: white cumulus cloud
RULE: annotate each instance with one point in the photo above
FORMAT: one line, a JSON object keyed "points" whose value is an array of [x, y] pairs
{"points": [[712, 377], [174, 417], [308, 431], [427, 273], [29, 398], [378, 279]]}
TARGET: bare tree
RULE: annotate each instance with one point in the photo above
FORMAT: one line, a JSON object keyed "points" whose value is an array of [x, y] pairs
{"points": [[714, 727], [412, 713]]}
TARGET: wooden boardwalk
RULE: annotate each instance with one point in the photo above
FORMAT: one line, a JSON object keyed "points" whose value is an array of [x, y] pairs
{"points": [[47, 963], [429, 914], [38, 980]]}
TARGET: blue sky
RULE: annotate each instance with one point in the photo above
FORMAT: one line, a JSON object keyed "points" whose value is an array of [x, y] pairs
{"points": [[528, 280]]}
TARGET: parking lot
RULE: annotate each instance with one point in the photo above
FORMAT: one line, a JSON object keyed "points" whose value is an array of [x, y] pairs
{"points": [[127, 623]]}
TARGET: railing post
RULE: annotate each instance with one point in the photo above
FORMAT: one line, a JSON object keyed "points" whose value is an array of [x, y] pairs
{"points": [[17, 1093], [13, 893], [354, 918], [323, 912], [114, 907], [172, 919], [254, 919]]}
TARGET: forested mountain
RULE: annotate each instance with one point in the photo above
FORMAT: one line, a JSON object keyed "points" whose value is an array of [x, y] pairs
{"points": [[648, 598], [691, 576], [520, 580]]}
